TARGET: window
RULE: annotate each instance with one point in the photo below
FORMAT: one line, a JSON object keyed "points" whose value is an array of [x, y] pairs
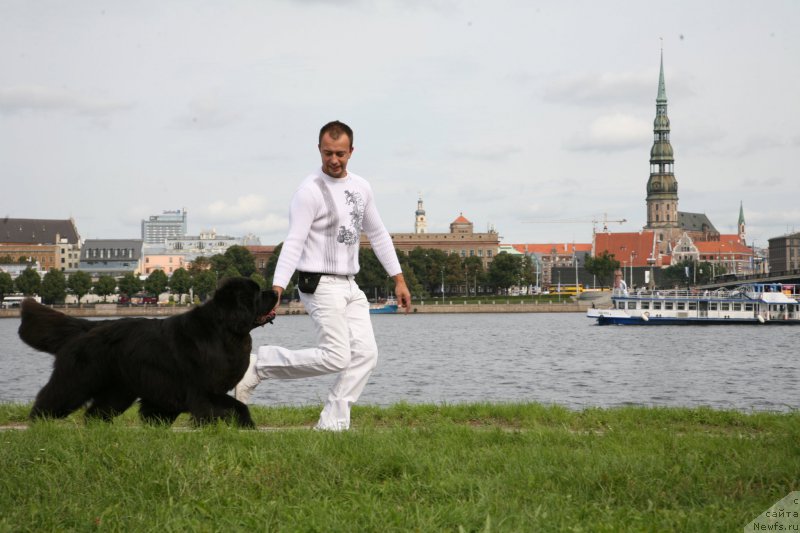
{"points": [[724, 307], [748, 307], [681, 306], [631, 305], [645, 305], [737, 307], [692, 306], [668, 306], [656, 306], [712, 306]]}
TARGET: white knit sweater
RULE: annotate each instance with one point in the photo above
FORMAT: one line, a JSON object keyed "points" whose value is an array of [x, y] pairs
{"points": [[326, 218]]}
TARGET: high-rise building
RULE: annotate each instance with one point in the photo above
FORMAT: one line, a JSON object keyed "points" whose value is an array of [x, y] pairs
{"points": [[160, 227]]}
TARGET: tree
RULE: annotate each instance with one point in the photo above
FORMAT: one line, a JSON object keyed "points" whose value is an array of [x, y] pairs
{"points": [[372, 278], [130, 284], [687, 272], [54, 287], [230, 272], [199, 264], [6, 284], [241, 258], [505, 270], [258, 278], [475, 273], [80, 283], [156, 282], [105, 285], [272, 262], [28, 282], [205, 282], [603, 266], [180, 282]]}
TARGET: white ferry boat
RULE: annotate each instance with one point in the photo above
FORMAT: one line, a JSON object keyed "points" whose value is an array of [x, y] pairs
{"points": [[758, 303]]}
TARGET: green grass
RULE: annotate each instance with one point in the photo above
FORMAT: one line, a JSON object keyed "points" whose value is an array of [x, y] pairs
{"points": [[475, 467]]}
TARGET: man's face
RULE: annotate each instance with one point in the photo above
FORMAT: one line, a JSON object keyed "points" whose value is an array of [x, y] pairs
{"points": [[335, 154]]}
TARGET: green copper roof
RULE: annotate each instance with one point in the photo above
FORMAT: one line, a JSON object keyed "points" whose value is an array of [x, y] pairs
{"points": [[662, 88], [741, 213]]}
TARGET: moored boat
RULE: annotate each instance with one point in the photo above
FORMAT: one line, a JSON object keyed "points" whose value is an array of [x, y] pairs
{"points": [[758, 303], [385, 308]]}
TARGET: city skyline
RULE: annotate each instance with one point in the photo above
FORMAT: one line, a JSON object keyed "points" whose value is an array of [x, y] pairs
{"points": [[506, 113]]}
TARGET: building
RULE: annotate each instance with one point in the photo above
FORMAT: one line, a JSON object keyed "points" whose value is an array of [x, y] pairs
{"points": [[161, 227], [727, 255], [51, 243], [420, 222], [167, 263], [550, 256], [111, 257], [784, 253], [663, 216], [189, 247], [261, 255], [462, 240]]}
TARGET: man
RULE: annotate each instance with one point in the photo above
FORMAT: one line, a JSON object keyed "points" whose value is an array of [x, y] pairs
{"points": [[327, 215]]}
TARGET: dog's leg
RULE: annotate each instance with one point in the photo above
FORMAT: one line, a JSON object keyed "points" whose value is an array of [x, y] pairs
{"points": [[57, 400], [110, 403], [156, 415], [221, 407]]}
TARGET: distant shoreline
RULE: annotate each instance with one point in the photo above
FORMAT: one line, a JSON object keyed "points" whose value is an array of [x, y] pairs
{"points": [[296, 308]]}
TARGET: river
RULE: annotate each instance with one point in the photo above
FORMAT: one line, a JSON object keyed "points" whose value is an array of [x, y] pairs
{"points": [[551, 358]]}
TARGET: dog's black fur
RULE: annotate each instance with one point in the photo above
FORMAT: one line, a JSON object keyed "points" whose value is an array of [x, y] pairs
{"points": [[184, 363]]}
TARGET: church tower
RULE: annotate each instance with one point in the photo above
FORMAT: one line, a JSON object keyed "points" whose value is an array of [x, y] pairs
{"points": [[662, 187], [420, 223], [742, 233]]}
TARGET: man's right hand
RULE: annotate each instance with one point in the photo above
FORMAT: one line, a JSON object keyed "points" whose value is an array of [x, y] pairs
{"points": [[278, 290]]}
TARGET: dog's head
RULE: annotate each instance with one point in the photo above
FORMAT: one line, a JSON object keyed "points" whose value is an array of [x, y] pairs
{"points": [[243, 304]]}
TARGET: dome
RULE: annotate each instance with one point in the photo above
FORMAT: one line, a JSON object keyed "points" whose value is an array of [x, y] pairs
{"points": [[660, 151]]}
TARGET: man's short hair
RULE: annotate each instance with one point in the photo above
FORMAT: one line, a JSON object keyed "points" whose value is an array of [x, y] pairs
{"points": [[335, 129]]}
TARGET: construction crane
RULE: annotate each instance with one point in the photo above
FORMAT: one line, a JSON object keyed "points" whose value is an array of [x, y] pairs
{"points": [[594, 222]]}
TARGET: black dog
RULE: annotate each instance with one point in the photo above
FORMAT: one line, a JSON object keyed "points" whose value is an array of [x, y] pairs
{"points": [[184, 363]]}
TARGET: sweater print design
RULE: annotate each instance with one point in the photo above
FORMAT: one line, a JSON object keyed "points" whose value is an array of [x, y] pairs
{"points": [[350, 236]]}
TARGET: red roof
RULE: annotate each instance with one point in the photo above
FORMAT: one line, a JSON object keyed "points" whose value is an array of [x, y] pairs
{"points": [[626, 246], [461, 220], [722, 247], [560, 247]]}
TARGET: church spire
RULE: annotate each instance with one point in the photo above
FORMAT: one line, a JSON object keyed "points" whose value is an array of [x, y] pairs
{"points": [[662, 187], [741, 223], [662, 88]]}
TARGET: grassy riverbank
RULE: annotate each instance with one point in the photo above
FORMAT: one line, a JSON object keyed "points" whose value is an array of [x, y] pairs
{"points": [[499, 467]]}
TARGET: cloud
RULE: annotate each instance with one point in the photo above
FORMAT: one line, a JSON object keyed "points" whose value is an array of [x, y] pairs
{"points": [[46, 99], [243, 206], [612, 133]]}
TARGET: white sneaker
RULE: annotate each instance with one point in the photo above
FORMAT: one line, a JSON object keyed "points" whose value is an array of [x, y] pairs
{"points": [[248, 383]]}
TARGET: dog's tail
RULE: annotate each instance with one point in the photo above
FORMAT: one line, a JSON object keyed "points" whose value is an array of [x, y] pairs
{"points": [[48, 330]]}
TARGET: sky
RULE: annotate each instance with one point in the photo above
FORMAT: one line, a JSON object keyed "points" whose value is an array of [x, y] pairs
{"points": [[520, 115]]}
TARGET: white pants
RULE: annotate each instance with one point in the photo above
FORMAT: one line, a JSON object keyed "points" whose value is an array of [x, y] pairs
{"points": [[345, 344]]}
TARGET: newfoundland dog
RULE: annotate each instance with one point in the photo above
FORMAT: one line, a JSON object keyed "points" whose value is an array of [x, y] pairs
{"points": [[184, 363]]}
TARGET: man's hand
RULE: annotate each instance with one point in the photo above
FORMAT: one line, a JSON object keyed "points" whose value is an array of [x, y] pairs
{"points": [[278, 290], [401, 292]]}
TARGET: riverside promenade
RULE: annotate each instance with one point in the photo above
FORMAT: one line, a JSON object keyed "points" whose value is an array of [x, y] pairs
{"points": [[296, 308]]}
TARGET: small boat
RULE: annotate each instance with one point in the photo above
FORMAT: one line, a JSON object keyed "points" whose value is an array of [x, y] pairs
{"points": [[757, 303], [385, 308]]}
